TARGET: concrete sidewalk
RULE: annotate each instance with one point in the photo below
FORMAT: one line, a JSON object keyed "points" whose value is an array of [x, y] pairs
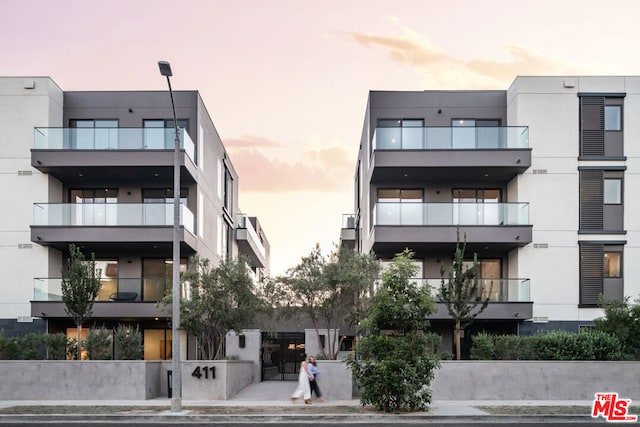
{"points": [[274, 396]]}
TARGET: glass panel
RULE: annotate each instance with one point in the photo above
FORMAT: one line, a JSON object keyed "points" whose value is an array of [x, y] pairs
{"points": [[154, 134], [439, 213], [388, 213], [412, 134], [157, 344], [612, 117], [613, 264], [490, 137], [438, 138], [388, 138], [463, 133], [612, 191], [411, 214]]}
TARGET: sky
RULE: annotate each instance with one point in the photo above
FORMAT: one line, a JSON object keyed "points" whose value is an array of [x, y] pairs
{"points": [[286, 81]]}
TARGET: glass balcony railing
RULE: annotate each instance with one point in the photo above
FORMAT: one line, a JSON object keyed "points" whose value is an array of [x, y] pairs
{"points": [[498, 290], [450, 138], [243, 221], [109, 214], [395, 213], [111, 139], [148, 289], [348, 221]]}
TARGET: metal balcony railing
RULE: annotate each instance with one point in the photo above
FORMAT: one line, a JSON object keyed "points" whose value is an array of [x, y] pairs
{"points": [[451, 138]]}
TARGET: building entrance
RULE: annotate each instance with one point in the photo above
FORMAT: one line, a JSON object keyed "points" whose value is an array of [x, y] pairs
{"points": [[281, 355]]}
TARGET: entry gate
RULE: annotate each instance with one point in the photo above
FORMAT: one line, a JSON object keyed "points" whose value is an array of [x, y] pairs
{"points": [[281, 355]]}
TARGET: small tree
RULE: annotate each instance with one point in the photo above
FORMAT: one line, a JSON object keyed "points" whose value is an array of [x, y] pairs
{"points": [[461, 292], [221, 299], [396, 367], [80, 286], [332, 293], [622, 320]]}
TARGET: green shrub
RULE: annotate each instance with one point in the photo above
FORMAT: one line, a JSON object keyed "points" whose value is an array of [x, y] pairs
{"points": [[32, 346], [9, 348], [99, 344], [527, 348], [128, 343], [56, 346], [482, 346], [506, 347]]}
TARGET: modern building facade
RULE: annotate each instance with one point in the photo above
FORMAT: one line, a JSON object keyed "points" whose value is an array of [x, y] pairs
{"points": [[95, 169], [540, 179]]}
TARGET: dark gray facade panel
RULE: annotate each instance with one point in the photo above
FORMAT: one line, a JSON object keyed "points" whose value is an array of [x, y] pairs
{"points": [[513, 235], [102, 309], [248, 247], [591, 272], [591, 199], [12, 328], [494, 311]]}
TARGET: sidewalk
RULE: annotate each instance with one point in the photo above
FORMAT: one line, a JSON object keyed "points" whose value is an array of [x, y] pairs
{"points": [[272, 399]]}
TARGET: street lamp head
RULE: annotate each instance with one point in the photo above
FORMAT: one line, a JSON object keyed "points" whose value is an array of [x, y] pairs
{"points": [[165, 68]]}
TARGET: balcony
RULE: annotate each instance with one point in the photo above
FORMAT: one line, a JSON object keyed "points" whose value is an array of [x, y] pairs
{"points": [[509, 299], [121, 297], [112, 154], [59, 224], [249, 242], [432, 227], [348, 231], [481, 154]]}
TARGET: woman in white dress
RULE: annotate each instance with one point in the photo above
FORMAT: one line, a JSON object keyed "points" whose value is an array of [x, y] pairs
{"points": [[303, 389]]}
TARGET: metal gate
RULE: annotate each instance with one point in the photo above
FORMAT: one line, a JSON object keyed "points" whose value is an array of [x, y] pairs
{"points": [[281, 355]]}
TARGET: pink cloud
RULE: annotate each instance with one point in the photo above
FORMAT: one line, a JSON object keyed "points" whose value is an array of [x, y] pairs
{"points": [[249, 141]]}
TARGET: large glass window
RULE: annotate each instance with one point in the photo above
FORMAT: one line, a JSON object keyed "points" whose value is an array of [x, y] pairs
{"points": [[157, 277], [400, 134], [92, 134], [94, 206], [108, 279], [157, 344], [159, 204], [160, 134], [477, 206], [400, 206], [475, 133]]}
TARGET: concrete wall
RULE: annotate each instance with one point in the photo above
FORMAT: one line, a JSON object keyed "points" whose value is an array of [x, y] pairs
{"points": [[251, 350], [73, 380], [231, 376], [534, 380], [334, 380]]}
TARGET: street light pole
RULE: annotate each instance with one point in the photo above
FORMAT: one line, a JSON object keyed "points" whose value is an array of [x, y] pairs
{"points": [[176, 375]]}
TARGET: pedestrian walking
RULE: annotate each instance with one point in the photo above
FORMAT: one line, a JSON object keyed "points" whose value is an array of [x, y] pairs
{"points": [[313, 384], [303, 389]]}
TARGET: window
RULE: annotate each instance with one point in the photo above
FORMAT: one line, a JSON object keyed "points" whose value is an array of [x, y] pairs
{"points": [[613, 117], [400, 134], [158, 205], [160, 134], [94, 206], [600, 271], [89, 134], [475, 133], [601, 125], [400, 207], [157, 277], [612, 264], [477, 206], [612, 191]]}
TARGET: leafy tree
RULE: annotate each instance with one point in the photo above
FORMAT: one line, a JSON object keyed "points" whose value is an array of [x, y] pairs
{"points": [[622, 320], [128, 343], [221, 299], [461, 292], [396, 365], [332, 292], [56, 345], [99, 344], [80, 286]]}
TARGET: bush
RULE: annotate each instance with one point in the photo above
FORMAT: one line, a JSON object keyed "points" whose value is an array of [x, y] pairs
{"points": [[99, 344], [128, 343], [32, 346], [56, 346], [9, 348], [482, 347], [506, 347], [527, 348]]}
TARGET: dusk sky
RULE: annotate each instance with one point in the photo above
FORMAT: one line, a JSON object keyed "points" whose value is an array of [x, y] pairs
{"points": [[286, 81]]}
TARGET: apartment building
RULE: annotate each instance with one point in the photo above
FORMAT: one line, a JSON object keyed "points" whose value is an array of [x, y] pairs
{"points": [[540, 178], [95, 169]]}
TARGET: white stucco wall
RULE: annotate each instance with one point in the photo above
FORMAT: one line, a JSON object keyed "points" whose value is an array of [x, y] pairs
{"points": [[551, 110], [21, 110]]}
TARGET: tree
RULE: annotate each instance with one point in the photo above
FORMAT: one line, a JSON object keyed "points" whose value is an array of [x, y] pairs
{"points": [[221, 299], [99, 344], [128, 343], [622, 320], [396, 365], [331, 292], [461, 292], [80, 286]]}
